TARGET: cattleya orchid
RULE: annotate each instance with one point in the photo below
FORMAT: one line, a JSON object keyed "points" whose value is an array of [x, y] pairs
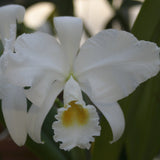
{"points": [[107, 67], [14, 106]]}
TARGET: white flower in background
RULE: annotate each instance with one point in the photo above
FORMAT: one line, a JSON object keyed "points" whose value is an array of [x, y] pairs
{"points": [[14, 106], [108, 67], [9, 15]]}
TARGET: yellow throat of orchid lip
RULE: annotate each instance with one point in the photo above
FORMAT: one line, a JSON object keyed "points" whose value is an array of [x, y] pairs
{"points": [[75, 115]]}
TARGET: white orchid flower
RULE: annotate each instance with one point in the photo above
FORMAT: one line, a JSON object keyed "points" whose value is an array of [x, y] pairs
{"points": [[14, 106], [108, 67]]}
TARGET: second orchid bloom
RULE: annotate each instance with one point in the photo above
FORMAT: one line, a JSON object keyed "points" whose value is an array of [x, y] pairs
{"points": [[108, 67]]}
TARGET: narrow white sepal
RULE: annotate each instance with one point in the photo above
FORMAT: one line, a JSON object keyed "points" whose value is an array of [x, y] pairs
{"points": [[69, 30], [14, 108], [114, 115], [36, 115]]}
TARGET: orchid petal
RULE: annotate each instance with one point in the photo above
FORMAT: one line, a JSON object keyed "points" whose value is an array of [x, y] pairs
{"points": [[114, 115], [9, 43], [39, 90], [14, 108], [69, 30], [35, 55], [36, 115], [9, 15], [113, 63], [72, 92], [75, 134]]}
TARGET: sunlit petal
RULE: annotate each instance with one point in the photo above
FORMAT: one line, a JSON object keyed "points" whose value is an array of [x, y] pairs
{"points": [[36, 115], [69, 30], [9, 14], [113, 63]]}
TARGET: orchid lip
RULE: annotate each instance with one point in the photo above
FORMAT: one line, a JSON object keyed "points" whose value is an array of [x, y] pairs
{"points": [[75, 115]]}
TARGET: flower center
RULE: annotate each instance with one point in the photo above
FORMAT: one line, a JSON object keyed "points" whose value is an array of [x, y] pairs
{"points": [[75, 115], [71, 75]]}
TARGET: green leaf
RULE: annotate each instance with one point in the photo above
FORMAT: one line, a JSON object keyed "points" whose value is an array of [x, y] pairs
{"points": [[142, 108], [1, 48], [130, 3], [78, 154], [147, 25], [110, 1], [1, 115], [143, 129], [49, 150], [102, 149], [45, 151]]}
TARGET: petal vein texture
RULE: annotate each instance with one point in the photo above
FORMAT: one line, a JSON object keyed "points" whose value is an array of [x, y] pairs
{"points": [[113, 63]]}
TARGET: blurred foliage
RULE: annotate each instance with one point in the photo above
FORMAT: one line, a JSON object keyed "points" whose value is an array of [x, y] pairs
{"points": [[1, 48], [102, 149], [121, 14], [147, 25], [141, 140], [64, 7]]}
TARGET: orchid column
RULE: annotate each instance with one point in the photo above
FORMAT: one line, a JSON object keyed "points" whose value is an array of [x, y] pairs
{"points": [[108, 67]]}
